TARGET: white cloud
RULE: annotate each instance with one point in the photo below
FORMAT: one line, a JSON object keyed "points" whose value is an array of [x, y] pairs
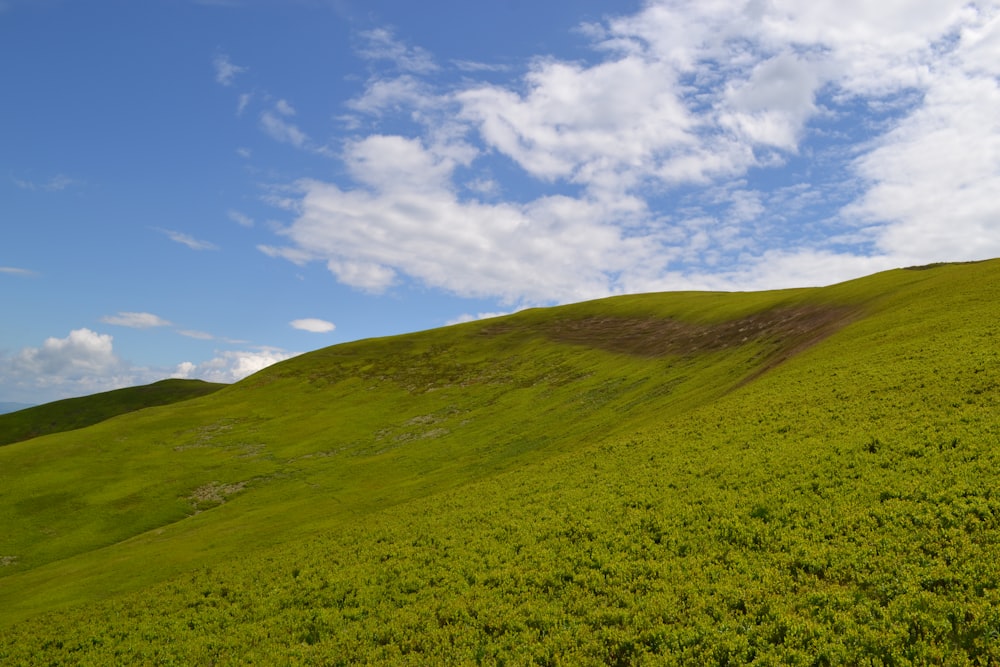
{"points": [[313, 325], [197, 335], [83, 350], [239, 218], [242, 103], [55, 184], [394, 93], [606, 125], [284, 108], [382, 44], [773, 105], [135, 320], [473, 66], [281, 130], [468, 317], [185, 239], [231, 365], [409, 220], [652, 163], [16, 271], [487, 187], [84, 362], [935, 177], [184, 370], [225, 70]]}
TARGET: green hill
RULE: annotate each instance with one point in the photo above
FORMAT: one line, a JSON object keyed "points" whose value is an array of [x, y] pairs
{"points": [[74, 413], [798, 477], [14, 407]]}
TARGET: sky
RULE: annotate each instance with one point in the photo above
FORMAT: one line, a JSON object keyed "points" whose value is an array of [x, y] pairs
{"points": [[199, 189]]}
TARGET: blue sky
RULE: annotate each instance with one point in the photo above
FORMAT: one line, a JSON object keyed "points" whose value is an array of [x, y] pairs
{"points": [[200, 189]]}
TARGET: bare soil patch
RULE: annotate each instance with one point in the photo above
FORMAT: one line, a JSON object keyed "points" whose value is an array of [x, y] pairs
{"points": [[789, 329]]}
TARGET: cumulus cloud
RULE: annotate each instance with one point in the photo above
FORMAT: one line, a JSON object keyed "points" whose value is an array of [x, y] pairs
{"points": [[602, 125], [394, 93], [410, 220], [728, 145], [231, 365], [84, 362], [82, 351], [934, 177], [313, 325], [135, 320]]}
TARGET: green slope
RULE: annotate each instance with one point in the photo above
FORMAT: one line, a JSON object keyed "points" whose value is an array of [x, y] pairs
{"points": [[74, 413], [14, 407], [795, 476]]}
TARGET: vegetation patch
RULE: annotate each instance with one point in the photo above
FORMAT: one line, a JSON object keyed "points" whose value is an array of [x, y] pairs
{"points": [[213, 494]]}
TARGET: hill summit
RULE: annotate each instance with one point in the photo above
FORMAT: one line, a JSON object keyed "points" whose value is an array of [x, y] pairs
{"points": [[798, 476]]}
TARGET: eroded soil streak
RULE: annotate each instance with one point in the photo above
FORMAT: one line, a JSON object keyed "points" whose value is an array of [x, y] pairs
{"points": [[789, 329]]}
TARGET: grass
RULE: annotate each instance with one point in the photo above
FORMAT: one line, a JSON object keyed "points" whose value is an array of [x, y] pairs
{"points": [[74, 413], [625, 481]]}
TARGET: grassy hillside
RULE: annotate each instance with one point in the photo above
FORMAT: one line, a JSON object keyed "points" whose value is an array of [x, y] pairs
{"points": [[801, 476], [74, 413]]}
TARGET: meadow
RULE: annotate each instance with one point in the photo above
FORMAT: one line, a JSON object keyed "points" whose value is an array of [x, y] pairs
{"points": [[792, 477]]}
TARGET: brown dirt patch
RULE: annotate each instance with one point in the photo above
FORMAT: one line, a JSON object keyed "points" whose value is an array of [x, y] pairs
{"points": [[790, 329]]}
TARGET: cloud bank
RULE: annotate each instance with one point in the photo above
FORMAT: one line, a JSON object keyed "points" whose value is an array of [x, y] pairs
{"points": [[85, 362], [722, 145]]}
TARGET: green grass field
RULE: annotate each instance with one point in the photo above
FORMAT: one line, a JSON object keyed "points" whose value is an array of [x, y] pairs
{"points": [[792, 477]]}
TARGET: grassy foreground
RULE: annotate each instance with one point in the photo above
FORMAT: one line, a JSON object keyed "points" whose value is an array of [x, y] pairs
{"points": [[792, 477]]}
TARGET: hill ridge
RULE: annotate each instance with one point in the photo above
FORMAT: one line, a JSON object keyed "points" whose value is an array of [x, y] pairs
{"points": [[73, 413]]}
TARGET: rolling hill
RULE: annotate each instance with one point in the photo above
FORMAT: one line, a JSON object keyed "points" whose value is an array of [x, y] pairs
{"points": [[800, 476], [14, 407], [73, 413]]}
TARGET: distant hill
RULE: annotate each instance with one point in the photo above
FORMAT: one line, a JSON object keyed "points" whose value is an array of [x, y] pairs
{"points": [[73, 413], [804, 476], [13, 407]]}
